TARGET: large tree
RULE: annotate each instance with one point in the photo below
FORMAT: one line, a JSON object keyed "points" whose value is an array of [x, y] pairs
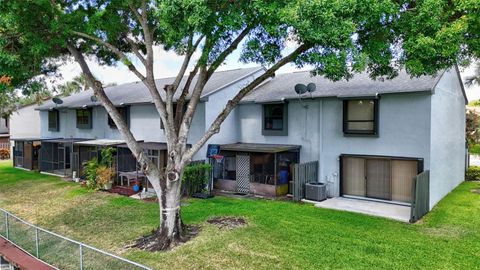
{"points": [[335, 38]]}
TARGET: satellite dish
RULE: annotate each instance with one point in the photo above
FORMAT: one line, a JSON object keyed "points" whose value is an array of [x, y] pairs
{"points": [[57, 101], [94, 98], [300, 89], [311, 87]]}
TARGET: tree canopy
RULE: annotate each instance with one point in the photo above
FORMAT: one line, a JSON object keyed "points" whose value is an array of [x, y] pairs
{"points": [[335, 38]]}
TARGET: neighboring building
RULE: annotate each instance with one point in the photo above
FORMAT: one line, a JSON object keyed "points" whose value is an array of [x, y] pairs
{"points": [[4, 130], [370, 137], [25, 122]]}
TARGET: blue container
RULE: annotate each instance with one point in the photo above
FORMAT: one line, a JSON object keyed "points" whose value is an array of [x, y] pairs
{"points": [[136, 188], [283, 177]]}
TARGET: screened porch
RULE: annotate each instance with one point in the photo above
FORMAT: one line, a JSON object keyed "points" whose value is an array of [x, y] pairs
{"points": [[261, 169], [56, 156], [128, 169], [26, 153]]}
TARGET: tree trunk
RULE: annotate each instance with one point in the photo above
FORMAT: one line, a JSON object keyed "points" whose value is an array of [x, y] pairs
{"points": [[168, 190]]}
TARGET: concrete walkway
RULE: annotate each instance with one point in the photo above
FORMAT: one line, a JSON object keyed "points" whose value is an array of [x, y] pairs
{"points": [[380, 209]]}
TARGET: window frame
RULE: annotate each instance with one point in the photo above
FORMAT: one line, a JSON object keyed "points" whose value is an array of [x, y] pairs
{"points": [[126, 117], [375, 121], [55, 128], [87, 125], [273, 132]]}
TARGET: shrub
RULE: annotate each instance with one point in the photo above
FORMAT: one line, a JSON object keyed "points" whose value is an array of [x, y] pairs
{"points": [[195, 178], [472, 128], [4, 153], [473, 173], [104, 175], [90, 170]]}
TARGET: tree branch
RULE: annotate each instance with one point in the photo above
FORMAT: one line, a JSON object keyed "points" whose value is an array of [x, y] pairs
{"points": [[136, 50], [228, 51], [231, 104], [202, 81], [123, 57], [97, 87]]}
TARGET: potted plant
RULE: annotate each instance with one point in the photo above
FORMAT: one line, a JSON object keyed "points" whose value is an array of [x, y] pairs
{"points": [[105, 177]]}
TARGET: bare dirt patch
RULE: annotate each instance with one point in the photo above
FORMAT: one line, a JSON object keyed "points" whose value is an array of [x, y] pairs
{"points": [[227, 222], [476, 190]]}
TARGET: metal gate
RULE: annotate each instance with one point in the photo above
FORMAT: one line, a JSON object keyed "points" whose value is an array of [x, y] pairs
{"points": [[421, 196], [243, 173]]}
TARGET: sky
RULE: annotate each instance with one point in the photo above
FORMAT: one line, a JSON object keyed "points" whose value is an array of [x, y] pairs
{"points": [[167, 64]]}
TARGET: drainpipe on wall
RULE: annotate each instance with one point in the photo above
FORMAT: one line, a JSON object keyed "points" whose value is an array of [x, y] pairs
{"points": [[320, 139]]}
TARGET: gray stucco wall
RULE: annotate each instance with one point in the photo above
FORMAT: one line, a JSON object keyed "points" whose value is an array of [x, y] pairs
{"points": [[3, 126], [404, 130], [25, 123], [447, 166]]}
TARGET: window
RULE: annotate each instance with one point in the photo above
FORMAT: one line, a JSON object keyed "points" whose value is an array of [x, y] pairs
{"points": [[6, 121], [53, 120], [360, 116], [84, 118], [275, 120], [123, 112]]}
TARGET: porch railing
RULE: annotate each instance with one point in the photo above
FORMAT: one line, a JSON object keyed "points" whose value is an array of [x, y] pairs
{"points": [[303, 173], [59, 251], [4, 145], [421, 198]]}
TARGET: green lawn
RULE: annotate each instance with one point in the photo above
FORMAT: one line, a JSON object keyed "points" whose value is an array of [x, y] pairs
{"points": [[280, 235], [475, 149]]}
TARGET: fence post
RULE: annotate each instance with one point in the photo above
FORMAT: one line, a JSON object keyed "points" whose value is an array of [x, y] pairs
{"points": [[36, 241], [6, 225], [81, 257]]}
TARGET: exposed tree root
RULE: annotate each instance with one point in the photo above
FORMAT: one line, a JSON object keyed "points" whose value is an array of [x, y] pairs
{"points": [[157, 241]]}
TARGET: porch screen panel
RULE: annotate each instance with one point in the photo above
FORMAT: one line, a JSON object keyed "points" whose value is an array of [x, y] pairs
{"points": [[403, 173], [378, 179], [27, 156], [353, 176]]}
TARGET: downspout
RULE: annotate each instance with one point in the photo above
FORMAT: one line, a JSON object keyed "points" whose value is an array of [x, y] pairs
{"points": [[320, 138]]}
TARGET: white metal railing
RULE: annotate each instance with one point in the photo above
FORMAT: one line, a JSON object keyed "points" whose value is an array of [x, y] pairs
{"points": [[59, 251]]}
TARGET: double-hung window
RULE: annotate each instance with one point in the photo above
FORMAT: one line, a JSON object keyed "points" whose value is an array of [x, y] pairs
{"points": [[84, 118], [360, 117], [53, 120], [275, 119]]}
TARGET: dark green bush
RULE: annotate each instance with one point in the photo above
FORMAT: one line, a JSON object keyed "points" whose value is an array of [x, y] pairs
{"points": [[473, 173], [195, 178]]}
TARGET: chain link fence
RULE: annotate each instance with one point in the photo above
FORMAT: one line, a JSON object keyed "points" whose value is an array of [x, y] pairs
{"points": [[58, 251]]}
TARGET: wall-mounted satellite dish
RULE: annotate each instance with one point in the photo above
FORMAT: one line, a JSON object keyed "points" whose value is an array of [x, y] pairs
{"points": [[94, 98], [300, 89], [57, 101], [311, 87]]}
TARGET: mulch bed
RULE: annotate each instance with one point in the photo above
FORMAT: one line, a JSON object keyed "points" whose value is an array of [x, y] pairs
{"points": [[122, 191], [227, 222]]}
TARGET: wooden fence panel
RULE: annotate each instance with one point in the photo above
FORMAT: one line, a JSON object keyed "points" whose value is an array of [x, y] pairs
{"points": [[303, 173], [421, 196]]}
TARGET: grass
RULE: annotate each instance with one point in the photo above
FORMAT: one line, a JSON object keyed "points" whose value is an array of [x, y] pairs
{"points": [[280, 235], [474, 149]]}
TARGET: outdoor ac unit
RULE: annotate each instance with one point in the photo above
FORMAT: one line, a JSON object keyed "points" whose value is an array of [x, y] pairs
{"points": [[315, 191]]}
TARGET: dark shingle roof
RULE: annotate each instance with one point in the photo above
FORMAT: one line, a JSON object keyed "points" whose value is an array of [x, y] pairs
{"points": [[137, 93], [282, 86]]}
